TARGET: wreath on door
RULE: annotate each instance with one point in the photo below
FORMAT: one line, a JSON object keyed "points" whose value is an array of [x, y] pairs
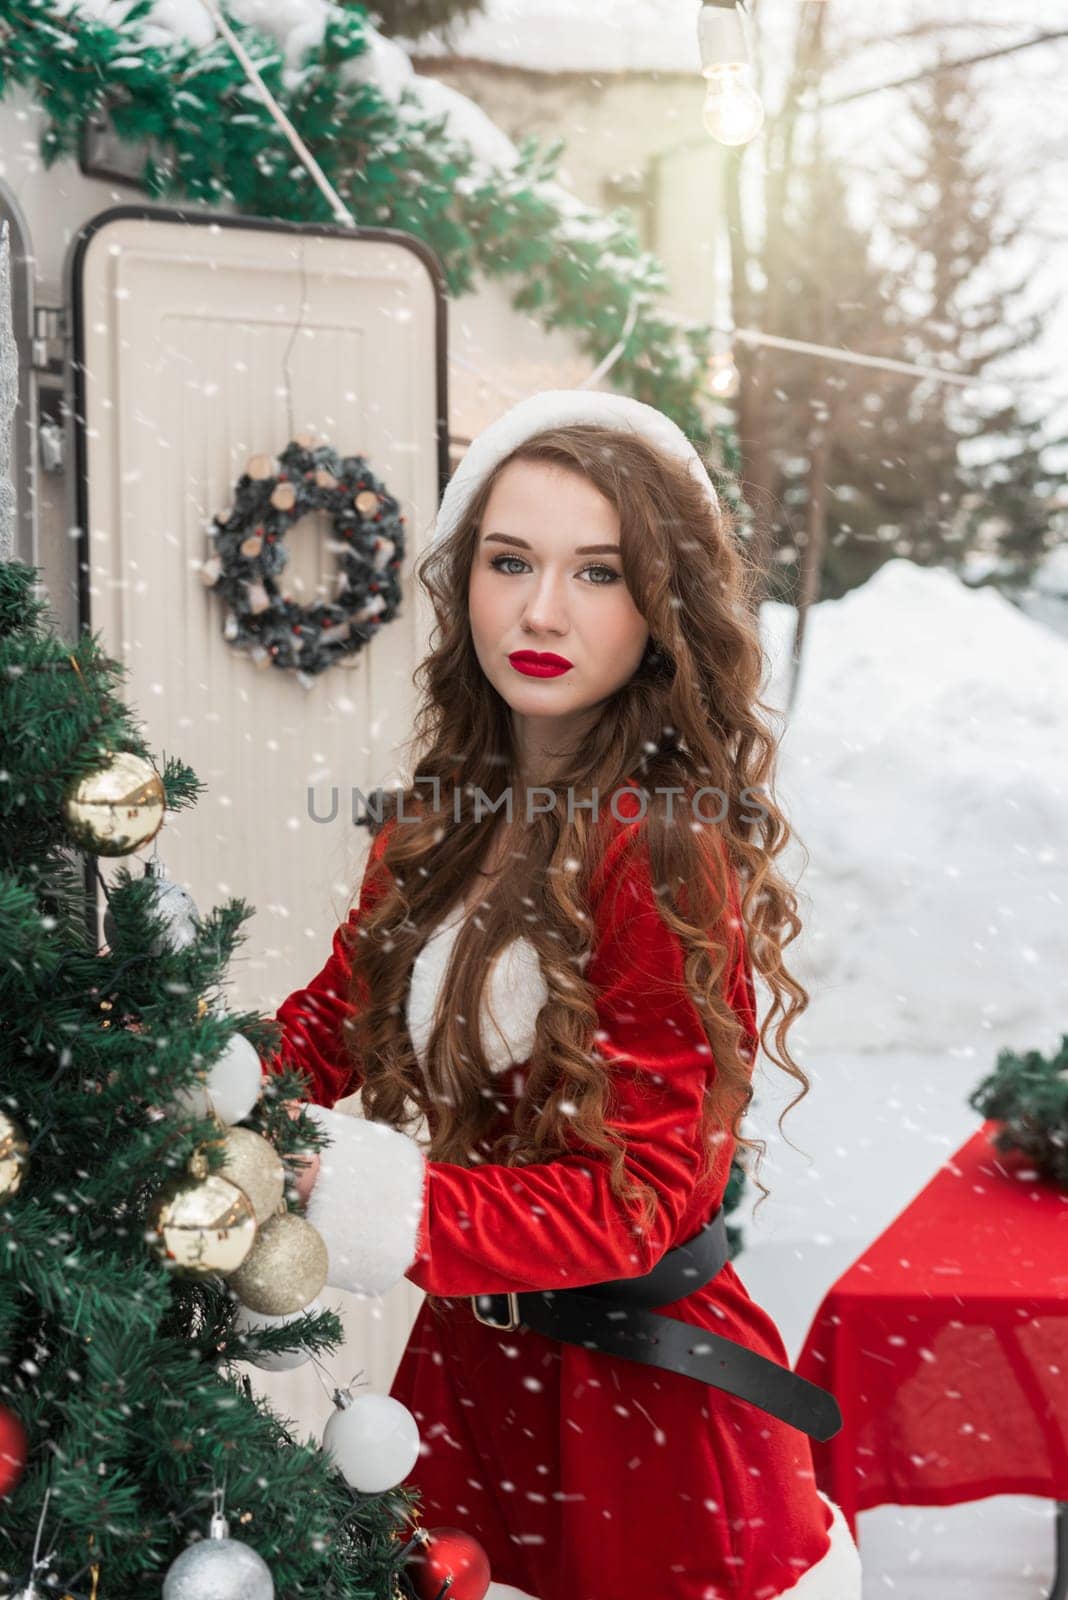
{"points": [[249, 558]]}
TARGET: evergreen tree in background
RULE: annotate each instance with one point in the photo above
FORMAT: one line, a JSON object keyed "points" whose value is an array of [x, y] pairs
{"points": [[957, 467], [1012, 499], [846, 466], [122, 1420], [834, 424]]}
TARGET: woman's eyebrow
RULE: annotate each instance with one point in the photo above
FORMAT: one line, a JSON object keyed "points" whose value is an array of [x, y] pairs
{"points": [[580, 550]]}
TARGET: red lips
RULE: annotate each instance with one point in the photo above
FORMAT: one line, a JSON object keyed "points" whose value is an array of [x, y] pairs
{"points": [[539, 665]]}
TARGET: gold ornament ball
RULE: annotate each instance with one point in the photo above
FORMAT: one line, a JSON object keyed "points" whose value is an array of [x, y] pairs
{"points": [[254, 1164], [285, 1269], [116, 809], [202, 1225], [14, 1156], [366, 502]]}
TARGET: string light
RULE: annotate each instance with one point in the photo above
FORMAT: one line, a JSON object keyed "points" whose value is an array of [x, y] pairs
{"points": [[724, 379], [733, 112], [723, 45]]}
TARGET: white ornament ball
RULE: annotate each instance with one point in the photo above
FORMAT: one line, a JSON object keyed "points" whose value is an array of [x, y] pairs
{"points": [[281, 1360], [218, 1569], [232, 1085], [374, 1440]]}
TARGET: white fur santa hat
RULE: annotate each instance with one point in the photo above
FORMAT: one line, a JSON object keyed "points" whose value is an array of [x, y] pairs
{"points": [[558, 408]]}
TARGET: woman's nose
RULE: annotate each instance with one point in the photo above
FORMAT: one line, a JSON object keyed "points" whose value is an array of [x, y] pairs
{"points": [[546, 607]]}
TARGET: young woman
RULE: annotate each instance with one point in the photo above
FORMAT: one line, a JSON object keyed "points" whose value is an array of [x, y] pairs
{"points": [[562, 987]]}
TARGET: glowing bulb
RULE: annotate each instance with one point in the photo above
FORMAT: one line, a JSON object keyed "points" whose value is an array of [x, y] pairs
{"points": [[724, 379], [733, 112]]}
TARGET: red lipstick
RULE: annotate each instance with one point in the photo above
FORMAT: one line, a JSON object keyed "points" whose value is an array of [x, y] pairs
{"points": [[536, 664]]}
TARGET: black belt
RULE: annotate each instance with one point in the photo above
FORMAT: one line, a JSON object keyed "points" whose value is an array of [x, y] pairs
{"points": [[615, 1317]]}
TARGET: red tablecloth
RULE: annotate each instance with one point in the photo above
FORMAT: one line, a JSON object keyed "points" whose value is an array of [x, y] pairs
{"points": [[946, 1344]]}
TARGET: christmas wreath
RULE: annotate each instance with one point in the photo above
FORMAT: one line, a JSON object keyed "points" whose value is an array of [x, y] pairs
{"points": [[250, 556]]}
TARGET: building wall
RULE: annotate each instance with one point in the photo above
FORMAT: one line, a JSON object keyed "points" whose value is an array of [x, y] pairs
{"points": [[634, 140]]}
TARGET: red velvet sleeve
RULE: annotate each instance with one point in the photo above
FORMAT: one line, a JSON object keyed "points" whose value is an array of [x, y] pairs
{"points": [[741, 989], [557, 1224], [313, 1018]]}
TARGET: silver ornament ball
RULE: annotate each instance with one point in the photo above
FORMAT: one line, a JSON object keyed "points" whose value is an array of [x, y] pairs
{"points": [[173, 905], [218, 1568]]}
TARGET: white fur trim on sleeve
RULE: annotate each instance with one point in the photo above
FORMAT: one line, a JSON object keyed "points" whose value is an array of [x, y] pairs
{"points": [[367, 1202], [837, 1574]]}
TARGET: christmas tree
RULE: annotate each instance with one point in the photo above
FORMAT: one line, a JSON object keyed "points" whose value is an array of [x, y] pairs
{"points": [[148, 1243]]}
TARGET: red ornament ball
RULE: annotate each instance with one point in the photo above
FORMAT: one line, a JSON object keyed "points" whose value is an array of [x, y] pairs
{"points": [[13, 1445], [448, 1553]]}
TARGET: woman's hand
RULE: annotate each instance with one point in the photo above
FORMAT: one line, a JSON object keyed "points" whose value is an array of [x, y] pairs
{"points": [[308, 1171]]}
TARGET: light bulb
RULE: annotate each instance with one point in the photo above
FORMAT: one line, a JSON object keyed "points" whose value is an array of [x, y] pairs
{"points": [[724, 379], [733, 112]]}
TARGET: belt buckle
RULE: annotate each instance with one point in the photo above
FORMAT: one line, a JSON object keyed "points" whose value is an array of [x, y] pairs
{"points": [[513, 1311]]}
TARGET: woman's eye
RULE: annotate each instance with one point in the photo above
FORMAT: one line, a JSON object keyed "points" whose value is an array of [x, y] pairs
{"points": [[609, 574]]}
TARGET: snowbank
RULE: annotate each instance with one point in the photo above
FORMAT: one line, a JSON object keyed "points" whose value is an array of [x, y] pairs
{"points": [[925, 768]]}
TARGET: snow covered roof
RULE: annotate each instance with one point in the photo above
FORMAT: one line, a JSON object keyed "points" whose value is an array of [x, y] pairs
{"points": [[555, 35]]}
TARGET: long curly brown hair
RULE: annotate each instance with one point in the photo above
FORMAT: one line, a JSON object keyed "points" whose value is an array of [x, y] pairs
{"points": [[688, 718]]}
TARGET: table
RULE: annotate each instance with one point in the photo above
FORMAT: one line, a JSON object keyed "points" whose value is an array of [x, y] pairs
{"points": [[946, 1344]]}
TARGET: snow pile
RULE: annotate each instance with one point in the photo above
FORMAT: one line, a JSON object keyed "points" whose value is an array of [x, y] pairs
{"points": [[925, 769], [1051, 574]]}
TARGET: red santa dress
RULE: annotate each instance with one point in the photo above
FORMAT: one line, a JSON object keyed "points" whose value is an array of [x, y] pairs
{"points": [[585, 1476]]}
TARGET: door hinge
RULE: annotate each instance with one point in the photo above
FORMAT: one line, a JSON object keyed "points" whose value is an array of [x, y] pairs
{"points": [[51, 330]]}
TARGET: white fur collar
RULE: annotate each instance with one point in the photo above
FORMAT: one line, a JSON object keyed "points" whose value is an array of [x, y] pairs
{"points": [[515, 994]]}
